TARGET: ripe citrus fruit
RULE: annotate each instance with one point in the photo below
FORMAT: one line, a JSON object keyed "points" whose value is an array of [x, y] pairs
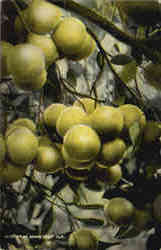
{"points": [[107, 120], [108, 174], [48, 159], [75, 163], [146, 13], [69, 35], [43, 16], [31, 83], [82, 143], [10, 173], [25, 122], [5, 51], [88, 104], [119, 210], [112, 151], [77, 174], [22, 146], [51, 114], [83, 239], [47, 45], [70, 116], [29, 61], [152, 131], [141, 218], [87, 48], [131, 114]]}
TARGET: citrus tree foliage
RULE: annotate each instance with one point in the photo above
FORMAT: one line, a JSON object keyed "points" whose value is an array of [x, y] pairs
{"points": [[80, 124]]}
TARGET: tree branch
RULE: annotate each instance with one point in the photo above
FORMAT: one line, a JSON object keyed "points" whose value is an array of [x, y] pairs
{"points": [[109, 27]]}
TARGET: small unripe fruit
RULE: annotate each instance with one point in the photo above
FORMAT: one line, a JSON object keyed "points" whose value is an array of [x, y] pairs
{"points": [[10, 173], [29, 61], [69, 35], [107, 120], [44, 140], [22, 146], [51, 114], [119, 210], [83, 239], [47, 45], [5, 51], [112, 151], [43, 16], [70, 116], [88, 104], [48, 159], [82, 143]]}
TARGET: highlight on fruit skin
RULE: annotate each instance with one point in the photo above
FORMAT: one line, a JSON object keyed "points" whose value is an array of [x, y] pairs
{"points": [[69, 36], [51, 114], [22, 146], [83, 239], [88, 104], [5, 51], [48, 159], [43, 16], [82, 143], [112, 151], [107, 121], [144, 13], [47, 45], [69, 117], [119, 210], [10, 172], [28, 63]]}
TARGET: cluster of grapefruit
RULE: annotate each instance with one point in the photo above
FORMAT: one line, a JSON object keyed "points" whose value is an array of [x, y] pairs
{"points": [[93, 142], [44, 36]]}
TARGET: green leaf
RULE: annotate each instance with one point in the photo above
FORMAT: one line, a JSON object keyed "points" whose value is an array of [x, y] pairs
{"points": [[47, 221], [129, 72], [121, 59], [35, 200], [127, 232], [134, 132], [91, 221]]}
